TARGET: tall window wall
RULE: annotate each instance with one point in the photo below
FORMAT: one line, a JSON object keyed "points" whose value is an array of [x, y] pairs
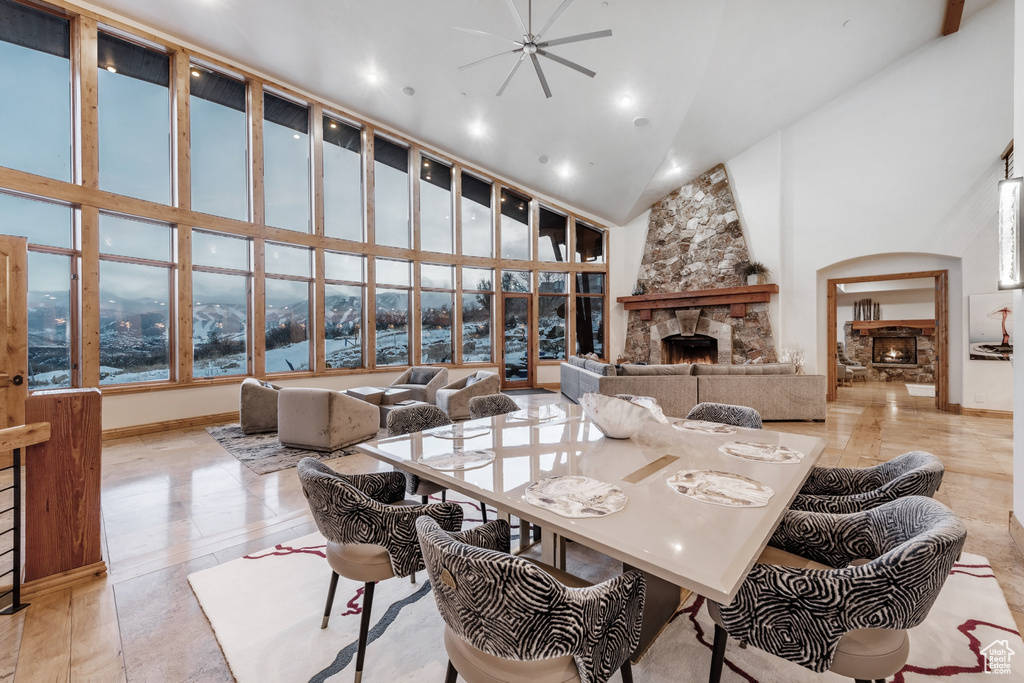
{"points": [[315, 242]]}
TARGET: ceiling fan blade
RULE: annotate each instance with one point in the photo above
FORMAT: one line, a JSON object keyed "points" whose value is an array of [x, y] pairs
{"points": [[565, 62], [575, 39], [540, 75], [515, 15], [511, 73], [485, 33], [554, 17], [480, 61]]}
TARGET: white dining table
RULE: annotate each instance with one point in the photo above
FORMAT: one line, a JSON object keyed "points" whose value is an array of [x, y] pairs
{"points": [[675, 540]]}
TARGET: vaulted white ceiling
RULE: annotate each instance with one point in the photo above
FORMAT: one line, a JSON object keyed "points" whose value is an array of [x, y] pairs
{"points": [[712, 76]]}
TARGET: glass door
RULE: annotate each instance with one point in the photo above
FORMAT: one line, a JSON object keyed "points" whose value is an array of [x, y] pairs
{"points": [[515, 348]]}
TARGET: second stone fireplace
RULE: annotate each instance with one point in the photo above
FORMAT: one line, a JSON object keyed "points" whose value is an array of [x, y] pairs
{"points": [[689, 337], [697, 348]]}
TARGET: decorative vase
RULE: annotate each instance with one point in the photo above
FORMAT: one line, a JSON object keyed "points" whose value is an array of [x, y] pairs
{"points": [[615, 417], [754, 279]]}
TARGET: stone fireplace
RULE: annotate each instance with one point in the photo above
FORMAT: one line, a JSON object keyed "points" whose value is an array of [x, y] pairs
{"points": [[696, 349], [688, 329], [894, 350]]}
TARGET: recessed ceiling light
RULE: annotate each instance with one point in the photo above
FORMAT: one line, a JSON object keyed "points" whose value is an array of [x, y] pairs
{"points": [[543, 159], [641, 121], [195, 73], [625, 101], [372, 78], [333, 124], [426, 163], [408, 91], [296, 136], [565, 171], [476, 129], [112, 69]]}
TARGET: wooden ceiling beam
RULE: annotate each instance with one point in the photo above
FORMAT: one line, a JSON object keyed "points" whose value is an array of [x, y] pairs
{"points": [[954, 12]]}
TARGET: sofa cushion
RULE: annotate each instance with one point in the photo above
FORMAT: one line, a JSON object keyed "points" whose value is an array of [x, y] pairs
{"points": [[421, 376], [712, 369], [472, 379], [648, 370], [606, 369], [577, 361]]}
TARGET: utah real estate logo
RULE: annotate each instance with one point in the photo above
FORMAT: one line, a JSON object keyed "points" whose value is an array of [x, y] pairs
{"points": [[997, 657]]}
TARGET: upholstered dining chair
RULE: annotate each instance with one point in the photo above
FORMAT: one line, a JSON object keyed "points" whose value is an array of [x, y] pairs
{"points": [[723, 413], [832, 613], [508, 619], [491, 405], [841, 490], [370, 532]]}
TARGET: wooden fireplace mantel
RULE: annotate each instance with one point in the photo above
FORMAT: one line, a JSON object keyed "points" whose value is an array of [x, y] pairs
{"points": [[736, 298], [926, 326]]}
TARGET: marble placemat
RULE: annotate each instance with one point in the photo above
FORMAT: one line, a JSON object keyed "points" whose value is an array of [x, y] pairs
{"points": [[459, 431], [720, 488], [458, 460], [761, 452], [575, 496], [704, 427]]}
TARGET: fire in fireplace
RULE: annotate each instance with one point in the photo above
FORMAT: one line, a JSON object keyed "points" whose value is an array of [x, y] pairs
{"points": [[696, 348], [894, 350]]}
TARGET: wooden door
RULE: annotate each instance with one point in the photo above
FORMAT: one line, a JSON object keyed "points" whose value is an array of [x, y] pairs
{"points": [[516, 349], [13, 330]]}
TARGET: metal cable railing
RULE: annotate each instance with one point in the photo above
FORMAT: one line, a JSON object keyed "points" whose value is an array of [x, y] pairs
{"points": [[15, 530]]}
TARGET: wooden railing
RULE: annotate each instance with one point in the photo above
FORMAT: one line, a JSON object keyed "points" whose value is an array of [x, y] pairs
{"points": [[14, 439]]}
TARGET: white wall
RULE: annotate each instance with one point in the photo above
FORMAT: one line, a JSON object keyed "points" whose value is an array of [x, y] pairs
{"points": [[1018, 296]]}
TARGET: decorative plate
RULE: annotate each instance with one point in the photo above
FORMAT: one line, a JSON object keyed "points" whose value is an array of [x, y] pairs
{"points": [[458, 461], [704, 427], [761, 452], [459, 431], [720, 488], [541, 413], [576, 496]]}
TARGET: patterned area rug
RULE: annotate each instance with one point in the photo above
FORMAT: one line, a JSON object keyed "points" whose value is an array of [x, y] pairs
{"points": [[266, 608], [263, 453]]}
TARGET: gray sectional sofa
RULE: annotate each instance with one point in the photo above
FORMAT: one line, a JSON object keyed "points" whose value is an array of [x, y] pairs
{"points": [[773, 389]]}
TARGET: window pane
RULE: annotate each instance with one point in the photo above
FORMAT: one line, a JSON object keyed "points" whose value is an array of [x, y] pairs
{"points": [[515, 226], [134, 120], [343, 181], [219, 324], [437, 277], [476, 328], [481, 279], [287, 340], [338, 266], [35, 78], [127, 237], [41, 222], [391, 193], [436, 232], [134, 323], [392, 327], [391, 272], [219, 251], [554, 283], [343, 324], [590, 325], [477, 236], [49, 321], [436, 329], [515, 281], [553, 231], [551, 321], [219, 144], [590, 283], [286, 163], [282, 260], [589, 244]]}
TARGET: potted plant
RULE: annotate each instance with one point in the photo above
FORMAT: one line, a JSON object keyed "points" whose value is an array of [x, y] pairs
{"points": [[755, 273]]}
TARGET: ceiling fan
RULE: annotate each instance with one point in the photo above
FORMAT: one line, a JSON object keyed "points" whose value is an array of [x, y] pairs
{"points": [[531, 45]]}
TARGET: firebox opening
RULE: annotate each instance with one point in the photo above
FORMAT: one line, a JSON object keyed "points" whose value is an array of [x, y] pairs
{"points": [[894, 350], [697, 348]]}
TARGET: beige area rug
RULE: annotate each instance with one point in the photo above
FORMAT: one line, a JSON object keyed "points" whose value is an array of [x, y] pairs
{"points": [[921, 389], [266, 608], [263, 453]]}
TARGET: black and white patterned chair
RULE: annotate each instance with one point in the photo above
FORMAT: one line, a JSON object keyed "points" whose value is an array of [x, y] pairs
{"points": [[723, 413], [508, 619], [491, 405], [841, 490], [371, 534], [831, 615]]}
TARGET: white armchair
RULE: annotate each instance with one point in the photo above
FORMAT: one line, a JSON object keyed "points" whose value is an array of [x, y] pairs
{"points": [[454, 398], [257, 406], [324, 420], [422, 382]]}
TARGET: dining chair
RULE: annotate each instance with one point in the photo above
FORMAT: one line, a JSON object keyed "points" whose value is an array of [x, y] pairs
{"points": [[842, 490], [415, 419], [370, 531], [509, 619], [723, 413], [491, 405], [834, 613]]}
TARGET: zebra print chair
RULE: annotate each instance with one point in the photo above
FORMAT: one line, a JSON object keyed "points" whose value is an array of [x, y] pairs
{"points": [[831, 615], [840, 490], [491, 405], [723, 413], [370, 532], [508, 619]]}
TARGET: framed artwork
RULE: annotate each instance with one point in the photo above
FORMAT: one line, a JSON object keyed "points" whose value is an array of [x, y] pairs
{"points": [[990, 336]]}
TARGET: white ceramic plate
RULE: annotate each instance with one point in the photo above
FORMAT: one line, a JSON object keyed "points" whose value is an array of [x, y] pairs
{"points": [[761, 452], [575, 496], [720, 488], [458, 461], [459, 431], [704, 427]]}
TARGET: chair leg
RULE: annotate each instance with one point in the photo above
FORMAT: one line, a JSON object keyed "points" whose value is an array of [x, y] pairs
{"points": [[423, 499], [451, 675], [412, 577], [444, 496], [364, 628], [718, 654], [483, 511], [330, 599], [627, 672]]}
